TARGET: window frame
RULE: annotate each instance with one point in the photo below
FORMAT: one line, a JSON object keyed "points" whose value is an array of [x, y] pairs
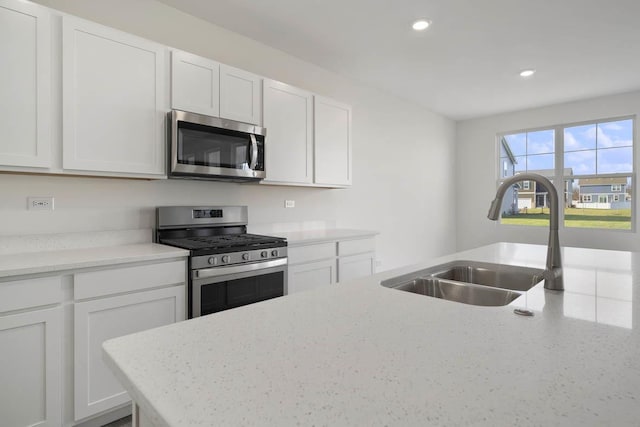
{"points": [[559, 178]]}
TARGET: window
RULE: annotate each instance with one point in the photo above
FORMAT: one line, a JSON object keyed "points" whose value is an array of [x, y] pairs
{"points": [[530, 151], [600, 157], [592, 164]]}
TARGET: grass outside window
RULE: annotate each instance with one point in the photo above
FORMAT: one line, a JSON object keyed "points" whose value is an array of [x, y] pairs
{"points": [[614, 219]]}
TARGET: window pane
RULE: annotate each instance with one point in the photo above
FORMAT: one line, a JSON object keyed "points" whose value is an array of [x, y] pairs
{"points": [[517, 143], [593, 204], [615, 134], [540, 142], [581, 162], [580, 138], [541, 163], [615, 160], [521, 164]]}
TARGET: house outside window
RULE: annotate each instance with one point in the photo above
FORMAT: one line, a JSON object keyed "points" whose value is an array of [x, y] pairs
{"points": [[592, 163]]}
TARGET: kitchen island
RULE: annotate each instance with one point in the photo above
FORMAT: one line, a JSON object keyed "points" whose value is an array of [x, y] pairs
{"points": [[358, 353]]}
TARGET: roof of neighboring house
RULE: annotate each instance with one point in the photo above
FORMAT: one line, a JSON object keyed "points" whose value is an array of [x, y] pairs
{"points": [[602, 181], [505, 144]]}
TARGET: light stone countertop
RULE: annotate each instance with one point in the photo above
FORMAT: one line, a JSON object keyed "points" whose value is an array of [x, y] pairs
{"points": [[305, 237], [69, 259], [360, 354]]}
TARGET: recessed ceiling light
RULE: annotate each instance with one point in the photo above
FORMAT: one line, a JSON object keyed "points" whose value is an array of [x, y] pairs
{"points": [[527, 73], [421, 24]]}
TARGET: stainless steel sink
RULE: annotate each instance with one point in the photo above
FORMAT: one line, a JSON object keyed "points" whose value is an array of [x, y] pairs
{"points": [[495, 275], [470, 282], [466, 293]]}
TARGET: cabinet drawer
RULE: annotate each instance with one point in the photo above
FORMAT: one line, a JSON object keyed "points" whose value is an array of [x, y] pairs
{"points": [[357, 246], [106, 282], [20, 294], [311, 252]]}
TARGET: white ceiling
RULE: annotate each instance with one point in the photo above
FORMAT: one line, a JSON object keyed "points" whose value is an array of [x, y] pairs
{"points": [[466, 65]]}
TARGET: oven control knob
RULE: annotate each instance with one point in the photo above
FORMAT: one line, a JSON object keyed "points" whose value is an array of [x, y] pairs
{"points": [[225, 258], [245, 257], [264, 254], [213, 260], [274, 252]]}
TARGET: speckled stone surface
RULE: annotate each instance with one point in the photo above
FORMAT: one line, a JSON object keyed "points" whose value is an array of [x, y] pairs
{"points": [[361, 354], [69, 259], [298, 238], [79, 240]]}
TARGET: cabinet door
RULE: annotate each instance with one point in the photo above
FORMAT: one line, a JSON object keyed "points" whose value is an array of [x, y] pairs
{"points": [[96, 321], [30, 368], [113, 100], [332, 142], [288, 118], [308, 276], [352, 267], [240, 95], [25, 85], [195, 84]]}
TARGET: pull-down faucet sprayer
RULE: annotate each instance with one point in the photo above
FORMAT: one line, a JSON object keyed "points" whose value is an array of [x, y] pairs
{"points": [[553, 271]]}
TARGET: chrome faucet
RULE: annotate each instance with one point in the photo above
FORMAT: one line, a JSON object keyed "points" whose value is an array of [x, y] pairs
{"points": [[553, 271]]}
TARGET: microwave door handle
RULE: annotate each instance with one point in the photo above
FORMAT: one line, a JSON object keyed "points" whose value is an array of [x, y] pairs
{"points": [[254, 152]]}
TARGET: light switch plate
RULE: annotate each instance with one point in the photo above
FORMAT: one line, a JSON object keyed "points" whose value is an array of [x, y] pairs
{"points": [[289, 203]]}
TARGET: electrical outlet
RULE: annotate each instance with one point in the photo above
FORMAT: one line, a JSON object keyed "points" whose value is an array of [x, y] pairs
{"points": [[289, 203], [40, 203]]}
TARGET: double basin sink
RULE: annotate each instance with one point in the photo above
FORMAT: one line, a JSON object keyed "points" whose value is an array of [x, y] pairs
{"points": [[469, 282]]}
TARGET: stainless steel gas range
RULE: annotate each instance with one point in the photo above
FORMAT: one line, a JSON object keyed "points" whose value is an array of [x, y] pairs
{"points": [[228, 267]]}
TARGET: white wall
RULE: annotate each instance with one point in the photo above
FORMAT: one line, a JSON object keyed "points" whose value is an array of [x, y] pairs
{"points": [[476, 169], [403, 155]]}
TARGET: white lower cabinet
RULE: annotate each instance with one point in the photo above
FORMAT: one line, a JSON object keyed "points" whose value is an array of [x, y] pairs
{"points": [[310, 275], [95, 321], [354, 266], [51, 334], [329, 262], [30, 370]]}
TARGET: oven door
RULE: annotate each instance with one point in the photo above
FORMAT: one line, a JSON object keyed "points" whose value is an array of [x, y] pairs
{"points": [[221, 288], [209, 147]]}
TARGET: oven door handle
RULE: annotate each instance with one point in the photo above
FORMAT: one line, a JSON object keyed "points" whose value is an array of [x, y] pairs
{"points": [[254, 152], [223, 271]]}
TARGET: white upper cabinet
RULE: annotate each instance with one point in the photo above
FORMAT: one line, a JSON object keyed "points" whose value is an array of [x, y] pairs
{"points": [[240, 95], [288, 117], [332, 142], [195, 84], [25, 85], [113, 100]]}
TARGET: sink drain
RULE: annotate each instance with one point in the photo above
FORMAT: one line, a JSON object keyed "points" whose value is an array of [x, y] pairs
{"points": [[523, 312]]}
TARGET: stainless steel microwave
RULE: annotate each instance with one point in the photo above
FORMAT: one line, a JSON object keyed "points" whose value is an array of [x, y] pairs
{"points": [[204, 147]]}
